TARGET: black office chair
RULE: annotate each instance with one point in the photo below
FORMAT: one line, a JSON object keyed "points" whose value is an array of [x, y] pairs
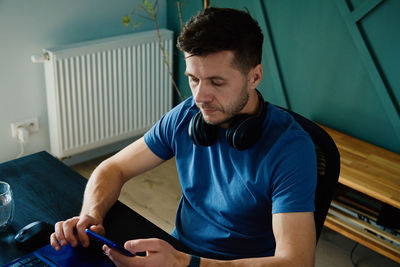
{"points": [[328, 168]]}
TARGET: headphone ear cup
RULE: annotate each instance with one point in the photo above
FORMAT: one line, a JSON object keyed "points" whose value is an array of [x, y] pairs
{"points": [[244, 132], [202, 133], [234, 125]]}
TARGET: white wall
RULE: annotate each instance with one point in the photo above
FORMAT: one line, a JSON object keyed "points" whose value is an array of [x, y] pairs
{"points": [[27, 27]]}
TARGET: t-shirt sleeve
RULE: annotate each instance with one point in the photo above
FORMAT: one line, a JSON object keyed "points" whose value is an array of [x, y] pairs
{"points": [[294, 174], [160, 137]]}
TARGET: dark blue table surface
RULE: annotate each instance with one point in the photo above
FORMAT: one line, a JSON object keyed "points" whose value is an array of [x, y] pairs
{"points": [[45, 189]]}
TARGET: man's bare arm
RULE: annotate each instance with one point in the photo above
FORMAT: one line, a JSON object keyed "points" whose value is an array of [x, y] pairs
{"points": [[105, 184], [102, 191]]}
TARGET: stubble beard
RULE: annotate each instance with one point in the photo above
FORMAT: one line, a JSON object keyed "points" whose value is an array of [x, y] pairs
{"points": [[231, 110]]}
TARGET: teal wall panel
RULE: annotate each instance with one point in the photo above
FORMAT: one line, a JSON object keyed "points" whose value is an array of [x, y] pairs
{"points": [[381, 30], [313, 64], [354, 18]]}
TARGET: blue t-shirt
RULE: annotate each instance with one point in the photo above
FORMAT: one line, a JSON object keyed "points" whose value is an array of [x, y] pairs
{"points": [[229, 196]]}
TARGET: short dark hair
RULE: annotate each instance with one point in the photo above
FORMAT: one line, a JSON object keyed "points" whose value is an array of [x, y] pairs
{"points": [[217, 29]]}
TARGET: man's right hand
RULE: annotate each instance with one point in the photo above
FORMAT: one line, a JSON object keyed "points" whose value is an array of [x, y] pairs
{"points": [[72, 231]]}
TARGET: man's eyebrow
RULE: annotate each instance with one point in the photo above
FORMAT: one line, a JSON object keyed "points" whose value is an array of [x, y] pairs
{"points": [[216, 78], [208, 78]]}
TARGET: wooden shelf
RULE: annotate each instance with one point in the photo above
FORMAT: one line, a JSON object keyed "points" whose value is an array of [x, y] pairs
{"points": [[363, 236], [375, 172], [369, 169]]}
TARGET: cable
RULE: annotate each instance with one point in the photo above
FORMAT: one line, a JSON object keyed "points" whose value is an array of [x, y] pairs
{"points": [[22, 150], [351, 254], [22, 137]]}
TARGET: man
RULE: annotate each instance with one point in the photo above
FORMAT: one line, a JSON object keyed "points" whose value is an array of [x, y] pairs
{"points": [[247, 169]]}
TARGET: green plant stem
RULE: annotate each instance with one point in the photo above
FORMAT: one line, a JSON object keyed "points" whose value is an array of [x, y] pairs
{"points": [[179, 7], [166, 61], [152, 11]]}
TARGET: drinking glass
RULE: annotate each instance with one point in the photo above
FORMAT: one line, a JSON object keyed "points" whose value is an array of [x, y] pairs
{"points": [[6, 206]]}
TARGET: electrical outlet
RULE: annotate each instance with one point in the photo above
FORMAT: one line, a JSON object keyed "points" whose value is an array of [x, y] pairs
{"points": [[31, 125]]}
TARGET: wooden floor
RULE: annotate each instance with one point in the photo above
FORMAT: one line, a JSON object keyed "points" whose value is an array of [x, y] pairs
{"points": [[154, 194]]}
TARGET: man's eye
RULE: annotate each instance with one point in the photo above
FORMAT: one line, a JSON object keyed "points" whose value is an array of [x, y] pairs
{"points": [[193, 80], [214, 83]]}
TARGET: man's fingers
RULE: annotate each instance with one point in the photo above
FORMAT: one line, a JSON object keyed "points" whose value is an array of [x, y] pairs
{"points": [[59, 233], [88, 222], [113, 255], [69, 231], [122, 260], [98, 229], [141, 245], [80, 229], [54, 243], [73, 231]]}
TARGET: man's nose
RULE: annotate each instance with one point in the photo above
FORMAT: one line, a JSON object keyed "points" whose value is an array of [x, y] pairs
{"points": [[202, 93]]}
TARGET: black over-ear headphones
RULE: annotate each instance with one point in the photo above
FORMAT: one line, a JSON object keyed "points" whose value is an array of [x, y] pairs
{"points": [[243, 132]]}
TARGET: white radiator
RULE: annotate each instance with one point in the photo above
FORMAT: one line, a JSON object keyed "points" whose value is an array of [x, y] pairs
{"points": [[103, 91]]}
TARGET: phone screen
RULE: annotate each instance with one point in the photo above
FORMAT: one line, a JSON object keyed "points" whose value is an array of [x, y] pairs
{"points": [[109, 243]]}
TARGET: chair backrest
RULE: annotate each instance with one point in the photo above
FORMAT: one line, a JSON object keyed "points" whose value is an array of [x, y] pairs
{"points": [[328, 168]]}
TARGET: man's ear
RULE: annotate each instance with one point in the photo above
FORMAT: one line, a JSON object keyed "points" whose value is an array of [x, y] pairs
{"points": [[255, 76]]}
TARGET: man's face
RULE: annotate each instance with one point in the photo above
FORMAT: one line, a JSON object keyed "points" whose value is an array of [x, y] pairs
{"points": [[219, 89]]}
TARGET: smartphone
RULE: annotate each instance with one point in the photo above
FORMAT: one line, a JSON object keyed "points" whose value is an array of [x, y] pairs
{"points": [[109, 243]]}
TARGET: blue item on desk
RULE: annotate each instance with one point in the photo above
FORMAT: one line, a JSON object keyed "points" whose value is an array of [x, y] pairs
{"points": [[67, 256], [109, 243]]}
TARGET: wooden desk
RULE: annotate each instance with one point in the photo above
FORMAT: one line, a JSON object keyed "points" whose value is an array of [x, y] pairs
{"points": [[45, 189], [372, 171]]}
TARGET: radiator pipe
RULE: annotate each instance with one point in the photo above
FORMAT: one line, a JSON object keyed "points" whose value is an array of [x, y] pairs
{"points": [[40, 58]]}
